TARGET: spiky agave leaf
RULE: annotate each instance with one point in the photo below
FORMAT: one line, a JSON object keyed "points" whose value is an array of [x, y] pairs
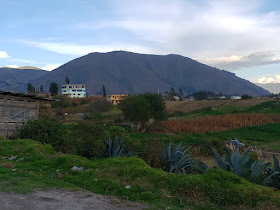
{"points": [[177, 160], [244, 163], [201, 166], [114, 148], [276, 166], [257, 169], [218, 159]]}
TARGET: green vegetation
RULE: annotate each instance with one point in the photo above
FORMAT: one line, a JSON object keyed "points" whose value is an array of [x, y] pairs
{"points": [[42, 167], [53, 89], [257, 172], [177, 159], [30, 88], [141, 108]]}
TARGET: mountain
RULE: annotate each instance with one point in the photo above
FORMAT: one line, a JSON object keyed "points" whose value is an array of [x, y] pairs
{"points": [[271, 87], [16, 79], [126, 72]]}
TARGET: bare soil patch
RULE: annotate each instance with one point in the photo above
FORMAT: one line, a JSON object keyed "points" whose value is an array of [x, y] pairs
{"points": [[63, 200]]}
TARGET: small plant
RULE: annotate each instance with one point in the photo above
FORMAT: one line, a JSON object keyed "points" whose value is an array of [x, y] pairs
{"points": [[177, 159], [115, 148]]}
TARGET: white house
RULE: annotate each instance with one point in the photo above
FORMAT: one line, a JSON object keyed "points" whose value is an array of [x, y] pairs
{"points": [[74, 90], [235, 97]]}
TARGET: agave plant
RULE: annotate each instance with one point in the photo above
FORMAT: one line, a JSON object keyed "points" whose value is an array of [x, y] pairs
{"points": [[115, 148], [242, 166], [177, 159], [200, 166], [274, 174]]}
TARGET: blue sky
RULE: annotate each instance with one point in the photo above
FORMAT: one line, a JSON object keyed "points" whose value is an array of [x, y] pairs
{"points": [[239, 36]]}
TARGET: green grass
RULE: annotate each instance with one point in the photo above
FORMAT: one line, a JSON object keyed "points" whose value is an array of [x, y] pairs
{"points": [[264, 136], [44, 168]]}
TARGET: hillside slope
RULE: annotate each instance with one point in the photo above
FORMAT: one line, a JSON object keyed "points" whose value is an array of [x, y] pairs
{"points": [[126, 72], [17, 79]]}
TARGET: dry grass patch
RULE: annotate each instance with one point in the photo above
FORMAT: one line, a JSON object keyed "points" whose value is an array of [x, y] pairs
{"points": [[219, 123]]}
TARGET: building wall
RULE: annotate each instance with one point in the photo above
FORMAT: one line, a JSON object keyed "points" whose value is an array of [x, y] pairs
{"points": [[74, 90], [115, 99], [15, 111]]}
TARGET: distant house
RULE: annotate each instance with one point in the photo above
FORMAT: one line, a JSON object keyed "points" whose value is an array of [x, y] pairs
{"points": [[190, 98], [235, 97], [176, 98], [115, 99], [74, 90], [222, 97]]}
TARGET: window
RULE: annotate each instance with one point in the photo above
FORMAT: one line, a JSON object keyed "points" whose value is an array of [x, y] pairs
{"points": [[79, 90], [83, 86], [74, 90], [70, 86], [79, 94], [84, 90]]}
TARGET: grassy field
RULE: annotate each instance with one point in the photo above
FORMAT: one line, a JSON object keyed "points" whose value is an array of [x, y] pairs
{"points": [[223, 105], [43, 168]]}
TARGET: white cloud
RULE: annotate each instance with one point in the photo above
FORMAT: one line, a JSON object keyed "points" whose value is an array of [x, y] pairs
{"points": [[268, 79], [238, 62], [3, 54], [78, 50], [50, 67], [206, 29], [12, 66]]}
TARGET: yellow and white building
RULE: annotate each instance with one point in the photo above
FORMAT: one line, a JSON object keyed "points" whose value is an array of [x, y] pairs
{"points": [[115, 99]]}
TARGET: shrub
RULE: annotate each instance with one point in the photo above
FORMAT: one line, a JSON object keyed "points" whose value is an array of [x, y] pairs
{"points": [[61, 101], [89, 140], [152, 153], [116, 131], [47, 131], [141, 108]]}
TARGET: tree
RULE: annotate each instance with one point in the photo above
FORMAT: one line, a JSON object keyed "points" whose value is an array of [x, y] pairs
{"points": [[53, 88], [173, 92], [157, 106], [245, 97], [41, 90], [181, 94], [67, 80], [104, 91], [30, 88], [141, 108]]}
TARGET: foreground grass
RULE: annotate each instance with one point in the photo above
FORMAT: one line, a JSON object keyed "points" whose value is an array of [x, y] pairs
{"points": [[44, 168]]}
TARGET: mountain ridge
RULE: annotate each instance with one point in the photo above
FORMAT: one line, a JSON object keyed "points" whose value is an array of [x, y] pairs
{"points": [[126, 72]]}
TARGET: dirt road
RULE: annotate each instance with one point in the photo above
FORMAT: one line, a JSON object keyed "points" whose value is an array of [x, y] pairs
{"points": [[63, 200]]}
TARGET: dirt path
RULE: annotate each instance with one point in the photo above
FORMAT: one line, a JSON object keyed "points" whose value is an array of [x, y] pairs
{"points": [[63, 200]]}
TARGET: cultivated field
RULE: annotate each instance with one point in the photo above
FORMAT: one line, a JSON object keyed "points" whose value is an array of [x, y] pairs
{"points": [[189, 106], [219, 123]]}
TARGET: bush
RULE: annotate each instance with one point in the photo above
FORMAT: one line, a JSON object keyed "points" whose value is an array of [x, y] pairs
{"points": [[116, 131], [48, 131], [61, 101], [89, 140], [141, 108], [152, 152]]}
